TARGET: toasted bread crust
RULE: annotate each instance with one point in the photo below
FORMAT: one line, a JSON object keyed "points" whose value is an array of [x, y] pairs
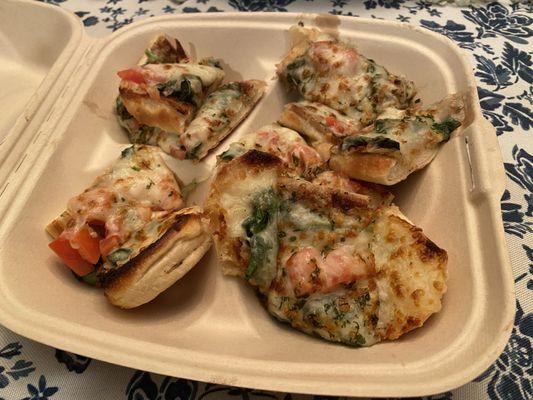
{"points": [[232, 254], [375, 168], [166, 114], [161, 264], [412, 301]]}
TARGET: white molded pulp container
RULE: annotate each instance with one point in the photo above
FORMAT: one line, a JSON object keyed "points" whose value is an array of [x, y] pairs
{"points": [[209, 327]]}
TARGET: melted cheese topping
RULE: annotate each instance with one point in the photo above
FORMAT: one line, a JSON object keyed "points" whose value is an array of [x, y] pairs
{"points": [[284, 143], [130, 200], [219, 115], [334, 74]]}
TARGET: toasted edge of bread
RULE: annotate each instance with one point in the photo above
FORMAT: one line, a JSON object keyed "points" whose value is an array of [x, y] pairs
{"points": [[161, 264]]}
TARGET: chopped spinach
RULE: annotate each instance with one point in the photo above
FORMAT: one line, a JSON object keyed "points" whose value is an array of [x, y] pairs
{"points": [[296, 63], [121, 110], [378, 141], [127, 152], [181, 90], [258, 253], [212, 62], [381, 126], [192, 153], [235, 150], [152, 58], [264, 206], [358, 340], [446, 127], [91, 278], [118, 255]]}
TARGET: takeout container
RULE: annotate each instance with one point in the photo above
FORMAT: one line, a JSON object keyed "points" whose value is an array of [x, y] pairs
{"points": [[210, 327]]}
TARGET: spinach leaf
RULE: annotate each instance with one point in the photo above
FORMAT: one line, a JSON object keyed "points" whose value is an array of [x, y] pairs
{"points": [[121, 254], [180, 90], [296, 63], [264, 206], [91, 278], [235, 150], [446, 127], [378, 141], [121, 110], [258, 253], [127, 152], [152, 58], [192, 153]]}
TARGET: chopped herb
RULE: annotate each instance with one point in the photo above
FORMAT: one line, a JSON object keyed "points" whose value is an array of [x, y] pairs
{"points": [[315, 275], [135, 168], [152, 58], [149, 184], [292, 238], [363, 300], [446, 127], [327, 248], [281, 234]]}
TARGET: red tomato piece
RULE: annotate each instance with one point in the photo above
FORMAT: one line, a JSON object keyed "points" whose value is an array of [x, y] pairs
{"points": [[88, 244], [70, 256], [108, 244], [133, 75]]}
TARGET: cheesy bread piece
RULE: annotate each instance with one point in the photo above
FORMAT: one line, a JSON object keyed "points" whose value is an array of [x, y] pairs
{"points": [[328, 71], [129, 232], [396, 144], [219, 115], [284, 143], [302, 160], [323, 260], [244, 187], [157, 101]]}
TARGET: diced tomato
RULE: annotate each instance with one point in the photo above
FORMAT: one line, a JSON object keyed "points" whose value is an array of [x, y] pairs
{"points": [[132, 74], [70, 256], [330, 121], [108, 244], [87, 243], [335, 124]]}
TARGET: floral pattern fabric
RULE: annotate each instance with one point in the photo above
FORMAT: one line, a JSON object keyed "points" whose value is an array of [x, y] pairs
{"points": [[498, 38]]}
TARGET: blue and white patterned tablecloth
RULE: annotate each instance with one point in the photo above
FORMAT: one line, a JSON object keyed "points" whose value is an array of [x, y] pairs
{"points": [[497, 36]]}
